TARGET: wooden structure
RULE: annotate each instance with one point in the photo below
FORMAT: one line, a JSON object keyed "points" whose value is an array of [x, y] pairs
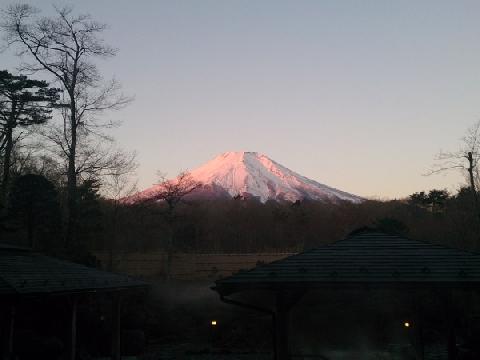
{"points": [[25, 275], [365, 259]]}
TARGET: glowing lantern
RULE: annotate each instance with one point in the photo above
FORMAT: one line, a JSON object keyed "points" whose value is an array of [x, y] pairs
{"points": [[406, 324], [213, 322]]}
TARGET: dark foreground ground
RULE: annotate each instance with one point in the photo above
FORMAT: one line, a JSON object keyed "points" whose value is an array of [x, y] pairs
{"points": [[181, 352], [339, 328]]}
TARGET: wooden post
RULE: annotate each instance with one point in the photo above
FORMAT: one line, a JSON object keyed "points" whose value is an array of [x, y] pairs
{"points": [[116, 330], [274, 336], [11, 331], [418, 331], [451, 340], [281, 327], [73, 329], [284, 302], [450, 322]]}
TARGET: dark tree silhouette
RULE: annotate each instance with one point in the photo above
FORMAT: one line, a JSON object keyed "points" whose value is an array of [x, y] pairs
{"points": [[392, 226], [172, 192], [91, 220], [25, 102], [33, 206], [65, 46], [434, 201], [438, 199]]}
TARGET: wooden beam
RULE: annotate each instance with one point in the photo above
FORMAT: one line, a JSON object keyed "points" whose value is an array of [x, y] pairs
{"points": [[73, 329], [116, 329]]}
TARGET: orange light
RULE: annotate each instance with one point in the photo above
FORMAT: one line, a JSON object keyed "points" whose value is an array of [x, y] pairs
{"points": [[213, 322], [406, 324]]}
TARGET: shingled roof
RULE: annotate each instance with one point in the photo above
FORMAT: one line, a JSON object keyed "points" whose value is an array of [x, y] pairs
{"points": [[364, 257], [24, 272]]}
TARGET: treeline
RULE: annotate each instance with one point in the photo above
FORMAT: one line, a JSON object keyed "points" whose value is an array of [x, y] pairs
{"points": [[250, 226], [236, 225]]}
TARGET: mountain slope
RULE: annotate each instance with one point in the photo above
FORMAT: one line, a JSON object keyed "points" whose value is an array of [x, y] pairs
{"points": [[251, 174]]}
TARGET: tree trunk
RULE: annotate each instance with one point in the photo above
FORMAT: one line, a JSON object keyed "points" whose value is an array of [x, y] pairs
{"points": [[113, 239], [72, 212], [170, 242], [473, 188], [30, 227], [471, 167], [7, 161], [168, 272]]}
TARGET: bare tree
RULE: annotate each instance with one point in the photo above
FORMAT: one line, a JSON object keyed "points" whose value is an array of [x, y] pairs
{"points": [[120, 185], [172, 192], [465, 160], [65, 45]]}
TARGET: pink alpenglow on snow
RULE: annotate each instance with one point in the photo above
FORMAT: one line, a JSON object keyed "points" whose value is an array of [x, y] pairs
{"points": [[250, 174]]}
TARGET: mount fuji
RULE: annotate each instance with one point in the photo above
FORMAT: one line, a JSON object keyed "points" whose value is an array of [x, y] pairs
{"points": [[254, 175]]}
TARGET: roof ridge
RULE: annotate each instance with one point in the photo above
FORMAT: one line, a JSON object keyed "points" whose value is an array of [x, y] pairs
{"points": [[424, 242], [12, 247], [402, 260]]}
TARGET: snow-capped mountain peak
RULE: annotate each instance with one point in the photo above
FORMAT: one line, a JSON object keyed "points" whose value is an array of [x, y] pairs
{"points": [[252, 174]]}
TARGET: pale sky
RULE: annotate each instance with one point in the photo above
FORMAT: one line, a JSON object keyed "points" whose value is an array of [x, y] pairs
{"points": [[358, 95]]}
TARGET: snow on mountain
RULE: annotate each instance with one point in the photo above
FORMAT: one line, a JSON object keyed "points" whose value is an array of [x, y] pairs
{"points": [[251, 174]]}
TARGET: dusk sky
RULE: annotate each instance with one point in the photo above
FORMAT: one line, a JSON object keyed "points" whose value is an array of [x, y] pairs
{"points": [[358, 95]]}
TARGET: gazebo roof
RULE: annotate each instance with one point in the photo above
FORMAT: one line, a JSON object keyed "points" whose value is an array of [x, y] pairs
{"points": [[366, 257], [23, 272]]}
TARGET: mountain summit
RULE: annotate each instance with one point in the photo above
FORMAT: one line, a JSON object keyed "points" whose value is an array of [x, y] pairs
{"points": [[250, 174]]}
